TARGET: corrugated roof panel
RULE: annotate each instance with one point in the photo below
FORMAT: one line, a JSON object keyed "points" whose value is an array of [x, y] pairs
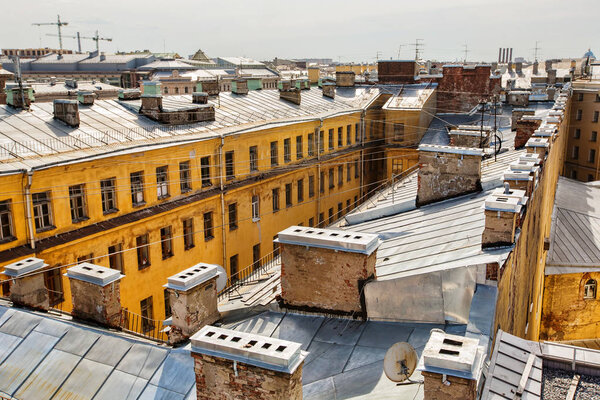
{"points": [[20, 324], [142, 360], [122, 386], [77, 341], [85, 380], [118, 347], [176, 373]]}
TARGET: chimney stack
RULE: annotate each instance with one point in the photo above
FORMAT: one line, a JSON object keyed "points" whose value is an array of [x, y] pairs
{"points": [[292, 95], [27, 286], [551, 80], [451, 366], [329, 89], [95, 293], [539, 146], [536, 67], [519, 67], [238, 365], [502, 217], [517, 113], [200, 98], [548, 65], [67, 111], [446, 172], [86, 98], [193, 300], [14, 98], [326, 269], [526, 125], [102, 56], [345, 78], [239, 86], [210, 87], [130, 94], [510, 67]]}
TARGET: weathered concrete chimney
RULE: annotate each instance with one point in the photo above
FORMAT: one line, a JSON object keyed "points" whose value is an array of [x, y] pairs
{"points": [[211, 87], [292, 95], [537, 145], [326, 269], [329, 89], [469, 138], [519, 98], [536, 68], [86, 97], [67, 111], [193, 299], [451, 367], [526, 125], [200, 98], [239, 86], [517, 114], [95, 293], [548, 65], [238, 365], [27, 287], [551, 77], [130, 94], [519, 68], [284, 84], [446, 172], [345, 78], [502, 217], [16, 100]]}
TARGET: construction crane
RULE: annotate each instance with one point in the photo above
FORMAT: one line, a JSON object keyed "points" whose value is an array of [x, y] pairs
{"points": [[59, 24], [95, 38]]}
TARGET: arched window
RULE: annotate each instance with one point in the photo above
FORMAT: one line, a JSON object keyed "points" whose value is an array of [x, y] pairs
{"points": [[589, 290]]}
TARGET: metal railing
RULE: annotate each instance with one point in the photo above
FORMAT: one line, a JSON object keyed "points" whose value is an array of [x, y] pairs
{"points": [[249, 274], [142, 326]]}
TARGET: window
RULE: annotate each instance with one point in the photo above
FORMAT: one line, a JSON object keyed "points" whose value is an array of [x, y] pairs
{"points": [[147, 314], [299, 147], [275, 199], [166, 90], [137, 188], [300, 190], [575, 153], [596, 114], [592, 156], [330, 220], [229, 165], [330, 139], [311, 144], [340, 175], [579, 96], [348, 135], [578, 115], [188, 233], [274, 156], [253, 158], [399, 132], [348, 172], [288, 194], [77, 200], [322, 182], [311, 186], [340, 137], [356, 134], [321, 141], [186, 90], [162, 182], [143, 251], [185, 177], [573, 174], [339, 210], [255, 208], [42, 211], [166, 242], [347, 205], [255, 257], [233, 219], [6, 228], [115, 257], [275, 247], [590, 177], [331, 178], [597, 98], [167, 301], [355, 201], [176, 90], [287, 150], [86, 258], [589, 290], [109, 195], [321, 219], [53, 280], [577, 133], [356, 168], [208, 226], [594, 136], [233, 268], [205, 171]]}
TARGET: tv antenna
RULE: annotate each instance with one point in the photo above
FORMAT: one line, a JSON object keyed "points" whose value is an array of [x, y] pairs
{"points": [[400, 362], [58, 24], [96, 38]]}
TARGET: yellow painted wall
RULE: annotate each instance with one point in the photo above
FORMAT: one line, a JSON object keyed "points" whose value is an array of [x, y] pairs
{"points": [[357, 69]]}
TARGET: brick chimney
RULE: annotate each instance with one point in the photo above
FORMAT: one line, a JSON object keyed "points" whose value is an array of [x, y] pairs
{"points": [[27, 286], [469, 138], [517, 114], [67, 111], [284, 84], [537, 145], [551, 80], [239, 86], [345, 78], [200, 98], [95, 293], [130, 94], [86, 98], [503, 210], [193, 300], [292, 95], [526, 125], [326, 269], [446, 172], [329, 89], [211, 87], [519, 68], [238, 365], [548, 65], [520, 179], [451, 366], [14, 98], [509, 66]]}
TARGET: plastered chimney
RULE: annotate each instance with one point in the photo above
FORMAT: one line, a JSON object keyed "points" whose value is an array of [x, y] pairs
{"points": [[344, 78], [200, 98], [329, 89], [503, 211], [27, 287], [517, 114], [292, 95], [67, 111], [525, 127]]}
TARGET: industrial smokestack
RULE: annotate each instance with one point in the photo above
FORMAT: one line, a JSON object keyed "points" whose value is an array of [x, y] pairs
{"points": [[510, 55], [500, 55]]}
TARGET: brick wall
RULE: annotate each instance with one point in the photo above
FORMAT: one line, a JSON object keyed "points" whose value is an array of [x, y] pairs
{"points": [[525, 129], [101, 304], [217, 380], [390, 72], [456, 389]]}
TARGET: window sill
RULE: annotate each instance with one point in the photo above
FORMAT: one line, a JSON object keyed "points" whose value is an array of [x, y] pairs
{"points": [[111, 211], [78, 220], [167, 256], [233, 228], [274, 210], [143, 203], [189, 247], [8, 239], [143, 267], [183, 191], [229, 178], [208, 238], [166, 196], [205, 185], [45, 229], [255, 219]]}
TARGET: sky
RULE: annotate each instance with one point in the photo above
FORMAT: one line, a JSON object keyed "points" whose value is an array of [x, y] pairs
{"points": [[343, 30]]}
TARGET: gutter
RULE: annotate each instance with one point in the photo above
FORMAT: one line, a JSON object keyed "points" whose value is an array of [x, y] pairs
{"points": [[28, 209]]}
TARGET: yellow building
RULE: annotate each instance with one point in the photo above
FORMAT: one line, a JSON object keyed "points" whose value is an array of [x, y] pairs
{"points": [[358, 69], [124, 191]]}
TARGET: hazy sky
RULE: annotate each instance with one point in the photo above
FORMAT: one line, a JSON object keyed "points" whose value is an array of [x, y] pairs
{"points": [[344, 30]]}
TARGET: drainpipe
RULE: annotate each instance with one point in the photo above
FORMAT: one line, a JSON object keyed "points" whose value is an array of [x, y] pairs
{"points": [[362, 155], [28, 210], [318, 188], [222, 195], [318, 133]]}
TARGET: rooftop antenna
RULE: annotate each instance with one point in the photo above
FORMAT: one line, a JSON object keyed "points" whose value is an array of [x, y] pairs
{"points": [[399, 49], [58, 24], [400, 362], [418, 47], [96, 38], [19, 78], [466, 51], [535, 50]]}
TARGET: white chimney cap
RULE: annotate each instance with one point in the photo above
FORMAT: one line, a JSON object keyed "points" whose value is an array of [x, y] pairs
{"points": [[537, 142], [503, 203], [452, 355], [354, 242], [533, 157], [192, 276], [472, 151], [22, 267], [95, 274], [511, 175]]}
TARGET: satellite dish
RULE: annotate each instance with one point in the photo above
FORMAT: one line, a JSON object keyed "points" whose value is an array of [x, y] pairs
{"points": [[221, 278], [400, 362]]}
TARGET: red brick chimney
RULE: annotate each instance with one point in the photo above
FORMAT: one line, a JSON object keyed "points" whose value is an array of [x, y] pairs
{"points": [[525, 127], [95, 292], [238, 365], [520, 179], [27, 286], [326, 269], [344, 78], [503, 211], [193, 300], [539, 146], [446, 172], [517, 114]]}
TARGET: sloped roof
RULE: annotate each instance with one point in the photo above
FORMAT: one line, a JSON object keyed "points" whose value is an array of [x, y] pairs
{"points": [[201, 56]]}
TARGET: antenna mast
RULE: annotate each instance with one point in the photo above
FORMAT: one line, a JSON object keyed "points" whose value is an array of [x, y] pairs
{"points": [[58, 24]]}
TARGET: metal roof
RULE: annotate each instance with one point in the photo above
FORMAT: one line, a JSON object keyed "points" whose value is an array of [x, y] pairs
{"points": [[46, 358], [575, 231]]}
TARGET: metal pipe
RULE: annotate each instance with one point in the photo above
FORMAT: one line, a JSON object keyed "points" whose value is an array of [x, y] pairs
{"points": [[28, 209], [222, 196], [318, 188], [362, 155]]}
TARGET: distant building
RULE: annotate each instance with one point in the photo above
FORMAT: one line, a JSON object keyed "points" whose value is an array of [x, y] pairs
{"points": [[33, 53]]}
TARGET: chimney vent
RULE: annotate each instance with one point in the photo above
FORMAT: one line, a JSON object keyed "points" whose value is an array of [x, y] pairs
{"points": [[536, 68], [503, 213], [200, 98], [102, 56], [345, 78], [239, 86], [86, 97], [292, 95], [211, 87], [540, 146], [67, 111], [27, 286], [130, 94], [71, 83], [519, 68], [329, 89]]}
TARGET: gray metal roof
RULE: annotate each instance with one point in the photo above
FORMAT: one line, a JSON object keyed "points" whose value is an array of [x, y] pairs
{"points": [[575, 231], [46, 358]]}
